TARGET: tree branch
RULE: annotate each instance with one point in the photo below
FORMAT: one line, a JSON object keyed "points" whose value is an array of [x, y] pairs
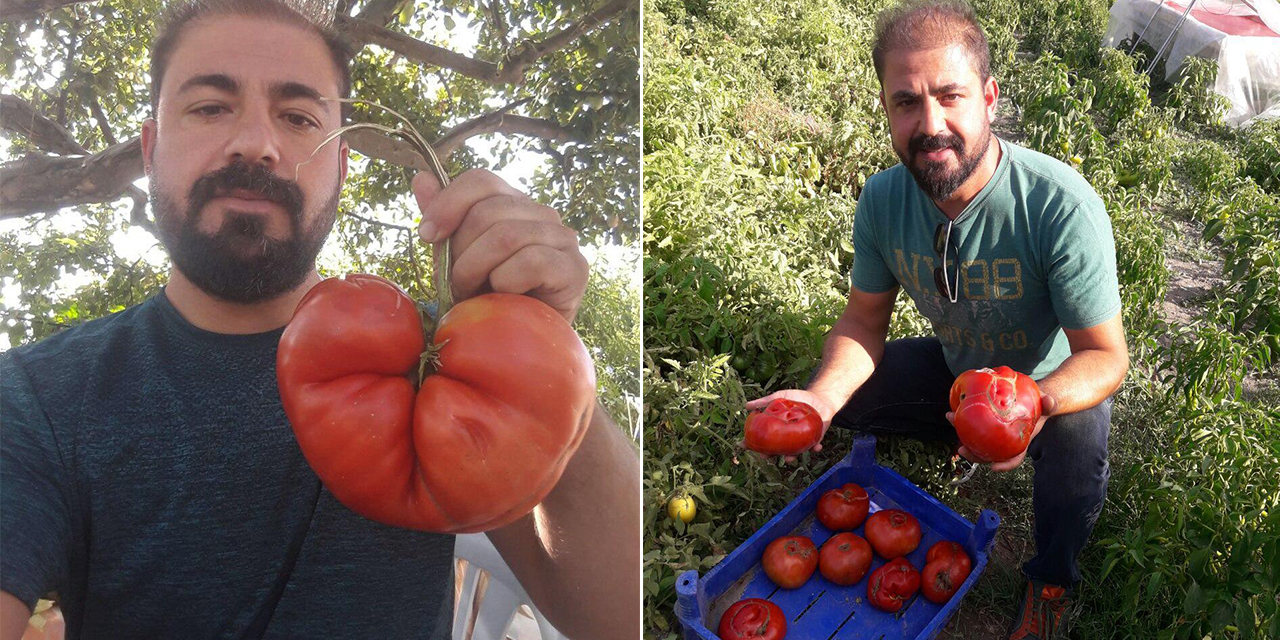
{"points": [[499, 24], [499, 122], [21, 10], [528, 51], [36, 184], [99, 115], [360, 33], [17, 115], [380, 223]]}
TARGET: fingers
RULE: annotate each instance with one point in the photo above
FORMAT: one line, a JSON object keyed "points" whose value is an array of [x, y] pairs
{"points": [[444, 210], [475, 261], [558, 278], [760, 403], [1048, 404], [1010, 464]]}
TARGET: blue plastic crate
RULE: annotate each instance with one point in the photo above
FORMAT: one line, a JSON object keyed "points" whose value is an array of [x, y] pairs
{"points": [[820, 610]]}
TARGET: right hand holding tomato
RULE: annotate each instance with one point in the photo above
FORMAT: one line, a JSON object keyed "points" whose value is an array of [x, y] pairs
{"points": [[819, 404]]}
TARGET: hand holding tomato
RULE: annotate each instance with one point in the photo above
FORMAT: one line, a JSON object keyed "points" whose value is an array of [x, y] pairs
{"points": [[946, 568], [844, 558], [502, 241], [820, 404], [783, 428], [892, 585], [843, 509], [790, 560], [893, 533], [753, 618], [996, 412]]}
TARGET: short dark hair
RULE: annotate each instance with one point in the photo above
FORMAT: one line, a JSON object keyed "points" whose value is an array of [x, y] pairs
{"points": [[308, 14], [925, 24]]}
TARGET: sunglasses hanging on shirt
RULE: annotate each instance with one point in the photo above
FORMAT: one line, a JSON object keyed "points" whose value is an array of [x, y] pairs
{"points": [[942, 244]]}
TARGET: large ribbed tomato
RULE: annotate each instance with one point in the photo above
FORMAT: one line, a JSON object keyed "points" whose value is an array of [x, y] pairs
{"points": [[996, 411], [478, 445], [783, 428], [753, 618]]}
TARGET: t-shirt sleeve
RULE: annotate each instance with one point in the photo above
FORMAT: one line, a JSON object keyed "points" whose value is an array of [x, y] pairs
{"points": [[870, 273], [1081, 266], [35, 513]]}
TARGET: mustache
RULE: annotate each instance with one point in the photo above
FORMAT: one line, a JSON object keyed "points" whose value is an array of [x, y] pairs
{"points": [[936, 143], [255, 179]]}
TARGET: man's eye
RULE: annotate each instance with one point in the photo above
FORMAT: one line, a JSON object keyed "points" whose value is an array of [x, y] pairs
{"points": [[205, 109], [301, 121]]}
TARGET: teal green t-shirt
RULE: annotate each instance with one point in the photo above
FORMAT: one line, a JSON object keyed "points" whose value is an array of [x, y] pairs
{"points": [[1036, 255]]}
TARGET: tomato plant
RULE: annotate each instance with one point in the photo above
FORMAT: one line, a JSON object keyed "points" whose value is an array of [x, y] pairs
{"points": [[844, 558], [843, 509], [790, 560], [477, 445], [945, 569], [892, 585], [893, 533], [995, 411], [783, 428], [753, 618]]}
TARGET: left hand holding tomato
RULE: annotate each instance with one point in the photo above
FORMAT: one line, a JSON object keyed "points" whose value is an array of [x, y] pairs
{"points": [[503, 241]]}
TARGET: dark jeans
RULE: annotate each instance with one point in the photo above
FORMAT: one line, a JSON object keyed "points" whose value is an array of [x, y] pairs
{"points": [[908, 394]]}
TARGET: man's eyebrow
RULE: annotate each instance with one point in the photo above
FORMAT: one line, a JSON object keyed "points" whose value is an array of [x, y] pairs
{"points": [[280, 90], [904, 94]]}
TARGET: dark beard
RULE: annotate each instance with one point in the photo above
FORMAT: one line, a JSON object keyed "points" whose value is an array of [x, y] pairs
{"points": [[935, 179], [240, 263]]}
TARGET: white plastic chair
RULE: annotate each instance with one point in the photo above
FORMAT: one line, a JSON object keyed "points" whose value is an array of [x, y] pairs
{"points": [[501, 599]]}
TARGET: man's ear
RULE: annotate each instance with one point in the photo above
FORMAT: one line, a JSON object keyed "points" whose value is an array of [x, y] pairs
{"points": [[343, 152], [991, 96], [148, 144]]}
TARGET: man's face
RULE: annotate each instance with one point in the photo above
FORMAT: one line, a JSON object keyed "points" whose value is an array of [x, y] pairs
{"points": [[940, 115], [234, 122]]}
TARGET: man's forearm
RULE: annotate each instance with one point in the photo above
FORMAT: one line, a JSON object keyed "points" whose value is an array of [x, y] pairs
{"points": [[578, 554], [849, 355], [1085, 379]]}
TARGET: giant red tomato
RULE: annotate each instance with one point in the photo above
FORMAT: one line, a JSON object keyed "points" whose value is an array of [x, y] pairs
{"points": [[844, 558], [753, 618], [478, 445], [946, 567], [996, 411], [790, 560], [893, 533], [843, 509], [783, 428], [892, 585]]}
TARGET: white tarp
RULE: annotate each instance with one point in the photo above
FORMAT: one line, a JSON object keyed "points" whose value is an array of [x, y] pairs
{"points": [[1240, 35]]}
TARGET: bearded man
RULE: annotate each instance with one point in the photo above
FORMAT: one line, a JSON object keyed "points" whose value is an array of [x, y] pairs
{"points": [[1009, 254]]}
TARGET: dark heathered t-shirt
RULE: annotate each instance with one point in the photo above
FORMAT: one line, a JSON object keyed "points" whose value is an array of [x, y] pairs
{"points": [[148, 475]]}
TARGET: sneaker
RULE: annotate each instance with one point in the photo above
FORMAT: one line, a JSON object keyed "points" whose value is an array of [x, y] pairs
{"points": [[1042, 613]]}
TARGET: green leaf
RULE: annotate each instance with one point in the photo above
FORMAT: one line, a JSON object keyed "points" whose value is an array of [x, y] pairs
{"points": [[1194, 602]]}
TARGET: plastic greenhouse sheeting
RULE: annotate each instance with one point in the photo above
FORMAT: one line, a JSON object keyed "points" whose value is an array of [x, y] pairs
{"points": [[1242, 36]]}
